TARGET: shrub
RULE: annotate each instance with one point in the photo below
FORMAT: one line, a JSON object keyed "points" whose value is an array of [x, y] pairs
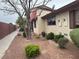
{"points": [[32, 50], [57, 37], [43, 34], [74, 34], [24, 34], [50, 36], [62, 42], [21, 29]]}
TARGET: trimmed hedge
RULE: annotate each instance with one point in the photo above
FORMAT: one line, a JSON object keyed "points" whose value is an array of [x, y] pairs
{"points": [[50, 36], [74, 34], [32, 50]]}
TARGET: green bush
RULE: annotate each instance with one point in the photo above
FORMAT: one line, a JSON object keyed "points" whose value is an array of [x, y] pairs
{"points": [[74, 34], [50, 36], [32, 50], [62, 42], [24, 34], [57, 37], [21, 29]]}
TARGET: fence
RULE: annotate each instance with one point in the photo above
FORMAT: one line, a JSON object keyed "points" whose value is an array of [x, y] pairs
{"points": [[6, 29]]}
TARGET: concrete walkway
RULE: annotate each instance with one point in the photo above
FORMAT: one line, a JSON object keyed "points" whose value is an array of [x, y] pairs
{"points": [[5, 42]]}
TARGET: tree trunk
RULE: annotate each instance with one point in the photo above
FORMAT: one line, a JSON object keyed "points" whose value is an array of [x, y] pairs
{"points": [[28, 28]]}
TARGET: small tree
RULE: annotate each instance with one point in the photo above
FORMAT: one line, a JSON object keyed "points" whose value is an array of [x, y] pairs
{"points": [[20, 22], [22, 7]]}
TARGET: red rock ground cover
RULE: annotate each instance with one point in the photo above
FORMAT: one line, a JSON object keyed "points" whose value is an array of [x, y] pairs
{"points": [[49, 49]]}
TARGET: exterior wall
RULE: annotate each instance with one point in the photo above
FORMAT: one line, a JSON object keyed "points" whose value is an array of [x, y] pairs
{"points": [[61, 26], [77, 17], [74, 19], [6, 29], [40, 23]]}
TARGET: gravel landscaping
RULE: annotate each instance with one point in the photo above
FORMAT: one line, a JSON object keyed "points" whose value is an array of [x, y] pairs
{"points": [[49, 49]]}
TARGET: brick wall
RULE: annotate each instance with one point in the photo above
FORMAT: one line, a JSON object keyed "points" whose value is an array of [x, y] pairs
{"points": [[6, 29]]}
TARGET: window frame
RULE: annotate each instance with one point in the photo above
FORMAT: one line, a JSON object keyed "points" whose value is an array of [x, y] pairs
{"points": [[51, 21]]}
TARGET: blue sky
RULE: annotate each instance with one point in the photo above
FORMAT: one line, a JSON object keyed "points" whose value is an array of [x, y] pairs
{"points": [[4, 17]]}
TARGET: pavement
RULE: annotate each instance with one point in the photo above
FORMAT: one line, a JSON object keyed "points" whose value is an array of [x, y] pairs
{"points": [[6, 42]]}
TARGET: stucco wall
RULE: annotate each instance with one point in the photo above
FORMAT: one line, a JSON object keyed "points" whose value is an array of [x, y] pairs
{"points": [[61, 25], [40, 23]]}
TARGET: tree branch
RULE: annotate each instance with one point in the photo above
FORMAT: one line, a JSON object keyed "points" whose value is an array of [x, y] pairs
{"points": [[35, 3], [23, 6], [15, 9]]}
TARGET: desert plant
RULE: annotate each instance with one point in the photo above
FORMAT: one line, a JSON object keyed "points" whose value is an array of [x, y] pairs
{"points": [[50, 36], [57, 37], [24, 34], [32, 51], [74, 34], [62, 42]]}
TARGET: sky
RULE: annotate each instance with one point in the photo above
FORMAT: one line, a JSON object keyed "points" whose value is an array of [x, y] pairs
{"points": [[4, 17]]}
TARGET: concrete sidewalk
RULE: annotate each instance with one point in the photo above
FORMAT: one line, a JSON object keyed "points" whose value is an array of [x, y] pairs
{"points": [[6, 41]]}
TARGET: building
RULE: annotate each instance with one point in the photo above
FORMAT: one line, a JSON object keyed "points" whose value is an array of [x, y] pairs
{"points": [[37, 22], [62, 20]]}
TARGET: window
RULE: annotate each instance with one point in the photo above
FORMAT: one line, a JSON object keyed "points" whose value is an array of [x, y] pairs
{"points": [[51, 21]]}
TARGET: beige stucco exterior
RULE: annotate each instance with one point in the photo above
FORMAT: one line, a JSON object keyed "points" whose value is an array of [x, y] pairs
{"points": [[62, 24], [40, 23]]}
